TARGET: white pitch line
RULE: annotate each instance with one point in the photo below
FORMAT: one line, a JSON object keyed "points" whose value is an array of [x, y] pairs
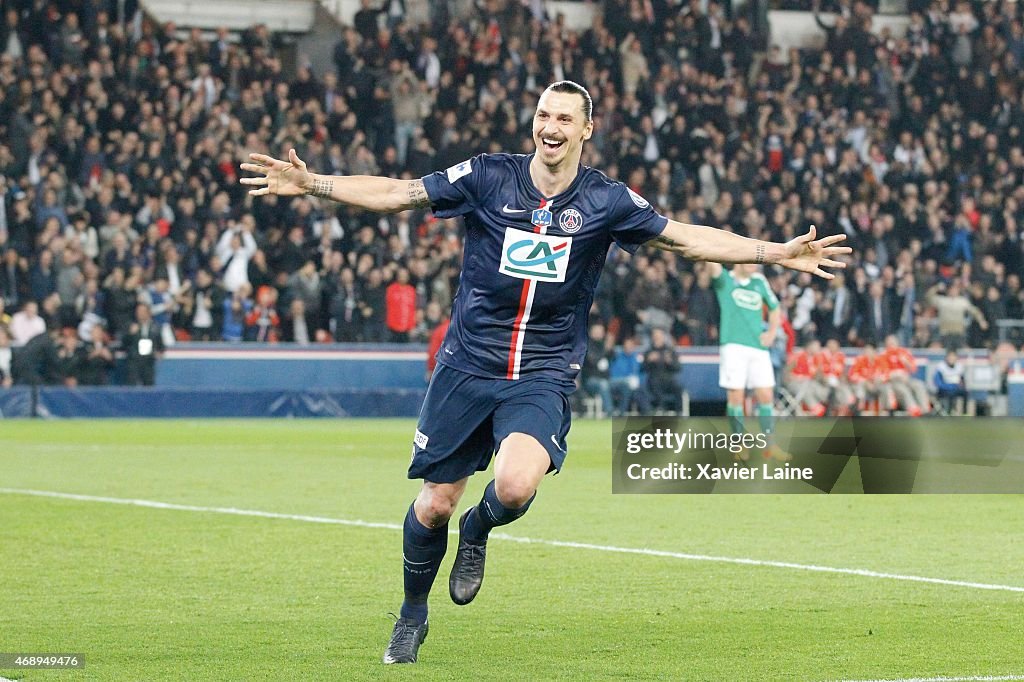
{"points": [[977, 678], [153, 504]]}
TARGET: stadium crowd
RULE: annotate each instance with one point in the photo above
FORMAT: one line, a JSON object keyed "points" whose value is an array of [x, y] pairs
{"points": [[123, 224]]}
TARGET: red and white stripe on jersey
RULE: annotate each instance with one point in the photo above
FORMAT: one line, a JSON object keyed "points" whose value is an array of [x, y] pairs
{"points": [[515, 353]]}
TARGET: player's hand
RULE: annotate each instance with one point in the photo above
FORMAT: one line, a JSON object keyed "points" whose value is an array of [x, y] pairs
{"points": [[809, 255], [767, 339], [284, 178]]}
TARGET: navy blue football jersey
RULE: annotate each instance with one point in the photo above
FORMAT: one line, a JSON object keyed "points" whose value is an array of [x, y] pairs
{"points": [[531, 263]]}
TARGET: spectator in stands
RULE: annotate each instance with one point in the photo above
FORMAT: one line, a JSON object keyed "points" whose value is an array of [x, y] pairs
{"points": [[878, 318], [953, 308], [594, 376], [306, 284], [345, 308], [26, 324], [298, 324], [626, 381], [234, 250], [661, 367], [373, 307], [204, 308], [6, 359], [144, 345], [13, 277], [236, 309], [98, 359], [70, 358], [400, 301], [948, 380], [262, 323], [34, 363], [161, 305]]}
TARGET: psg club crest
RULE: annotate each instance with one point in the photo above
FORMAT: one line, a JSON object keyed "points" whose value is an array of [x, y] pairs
{"points": [[541, 217], [570, 220]]}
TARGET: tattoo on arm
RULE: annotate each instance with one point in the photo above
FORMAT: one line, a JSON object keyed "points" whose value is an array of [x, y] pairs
{"points": [[665, 241], [322, 188], [417, 194], [759, 254]]}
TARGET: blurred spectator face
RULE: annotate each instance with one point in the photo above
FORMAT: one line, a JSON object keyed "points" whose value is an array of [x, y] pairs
{"points": [[68, 340], [597, 332]]}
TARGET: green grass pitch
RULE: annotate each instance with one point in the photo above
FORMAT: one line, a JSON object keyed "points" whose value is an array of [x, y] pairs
{"points": [[165, 594]]}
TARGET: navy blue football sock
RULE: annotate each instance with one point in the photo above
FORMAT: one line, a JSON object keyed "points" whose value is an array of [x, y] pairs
{"points": [[422, 549], [489, 514]]}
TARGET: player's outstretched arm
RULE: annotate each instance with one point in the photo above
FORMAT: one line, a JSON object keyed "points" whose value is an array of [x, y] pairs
{"points": [[804, 253], [291, 178]]}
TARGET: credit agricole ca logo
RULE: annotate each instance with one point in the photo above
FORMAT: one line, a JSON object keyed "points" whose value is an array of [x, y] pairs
{"points": [[538, 257]]}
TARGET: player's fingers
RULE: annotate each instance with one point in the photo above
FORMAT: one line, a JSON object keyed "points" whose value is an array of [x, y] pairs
{"points": [[259, 192], [296, 161], [824, 275], [254, 181], [834, 239], [836, 250], [254, 168], [828, 263], [264, 160], [811, 233]]}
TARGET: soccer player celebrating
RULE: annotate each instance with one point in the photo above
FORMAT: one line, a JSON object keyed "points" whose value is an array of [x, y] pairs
{"points": [[538, 229]]}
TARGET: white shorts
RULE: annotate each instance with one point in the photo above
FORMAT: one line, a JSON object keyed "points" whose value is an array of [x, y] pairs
{"points": [[745, 367]]}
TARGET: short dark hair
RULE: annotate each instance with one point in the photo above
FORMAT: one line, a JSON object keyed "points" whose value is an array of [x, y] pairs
{"points": [[574, 88]]}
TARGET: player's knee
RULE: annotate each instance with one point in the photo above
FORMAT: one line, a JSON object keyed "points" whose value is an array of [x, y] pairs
{"points": [[433, 509], [513, 492]]}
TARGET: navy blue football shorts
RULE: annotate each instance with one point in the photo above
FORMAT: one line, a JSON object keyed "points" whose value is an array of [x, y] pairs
{"points": [[465, 418]]}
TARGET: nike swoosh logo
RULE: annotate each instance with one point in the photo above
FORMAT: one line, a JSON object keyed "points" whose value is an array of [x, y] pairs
{"points": [[553, 440], [506, 209]]}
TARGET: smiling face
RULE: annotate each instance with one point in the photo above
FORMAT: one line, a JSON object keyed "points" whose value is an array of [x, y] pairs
{"points": [[560, 127]]}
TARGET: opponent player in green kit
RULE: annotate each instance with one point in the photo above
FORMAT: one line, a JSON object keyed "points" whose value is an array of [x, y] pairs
{"points": [[744, 361]]}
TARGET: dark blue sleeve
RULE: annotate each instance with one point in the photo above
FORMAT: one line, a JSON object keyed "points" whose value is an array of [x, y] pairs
{"points": [[454, 192], [634, 220]]}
